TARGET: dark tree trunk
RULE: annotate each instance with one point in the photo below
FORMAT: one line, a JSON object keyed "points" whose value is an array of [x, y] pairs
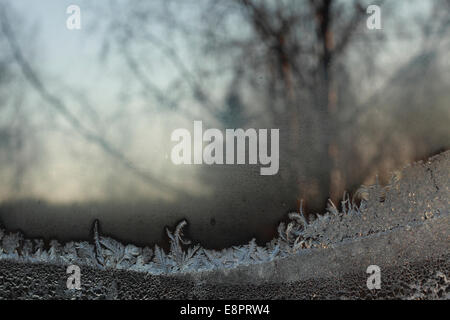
{"points": [[328, 176]]}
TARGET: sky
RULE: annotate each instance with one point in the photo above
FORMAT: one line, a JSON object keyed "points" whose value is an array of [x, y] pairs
{"points": [[75, 53], [62, 47], [70, 59]]}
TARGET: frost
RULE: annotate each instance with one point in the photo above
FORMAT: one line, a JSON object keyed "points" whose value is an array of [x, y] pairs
{"points": [[11, 242], [106, 252], [295, 236]]}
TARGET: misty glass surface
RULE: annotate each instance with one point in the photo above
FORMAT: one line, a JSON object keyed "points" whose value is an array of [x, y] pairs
{"points": [[87, 115]]}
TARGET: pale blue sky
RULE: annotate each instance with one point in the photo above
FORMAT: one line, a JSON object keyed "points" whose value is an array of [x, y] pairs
{"points": [[70, 59], [74, 51], [61, 45]]}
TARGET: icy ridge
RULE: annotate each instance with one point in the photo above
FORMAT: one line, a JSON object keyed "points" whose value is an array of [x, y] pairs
{"points": [[423, 193], [106, 252]]}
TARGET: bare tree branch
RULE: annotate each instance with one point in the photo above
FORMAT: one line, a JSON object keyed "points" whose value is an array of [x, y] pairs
{"points": [[59, 105]]}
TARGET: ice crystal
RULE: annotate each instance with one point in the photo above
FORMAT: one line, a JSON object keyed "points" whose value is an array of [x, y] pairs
{"points": [[296, 235]]}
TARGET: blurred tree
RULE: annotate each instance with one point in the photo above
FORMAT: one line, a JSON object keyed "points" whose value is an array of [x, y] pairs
{"points": [[288, 64], [294, 65], [291, 52], [19, 149]]}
